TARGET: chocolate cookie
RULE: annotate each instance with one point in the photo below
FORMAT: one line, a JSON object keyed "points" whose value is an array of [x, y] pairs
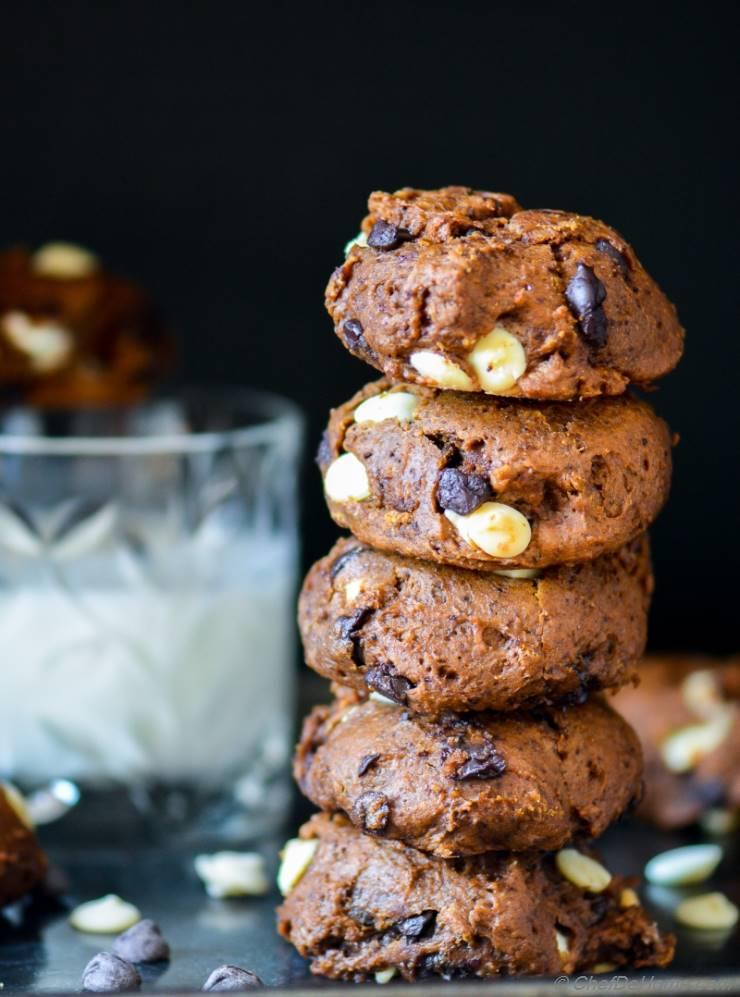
{"points": [[447, 639], [72, 334], [462, 289], [367, 906], [468, 784], [481, 482], [686, 712], [22, 863]]}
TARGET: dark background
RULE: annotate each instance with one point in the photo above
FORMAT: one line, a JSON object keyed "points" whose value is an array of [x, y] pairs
{"points": [[221, 152]]}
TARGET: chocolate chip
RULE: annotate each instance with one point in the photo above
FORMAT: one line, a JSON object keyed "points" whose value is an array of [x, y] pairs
{"points": [[142, 943], [484, 762], [232, 978], [610, 250], [417, 926], [585, 295], [373, 811], [601, 903], [353, 333], [108, 974], [361, 916], [324, 453], [366, 762], [384, 235], [386, 680], [343, 559], [709, 792], [347, 627], [461, 492]]}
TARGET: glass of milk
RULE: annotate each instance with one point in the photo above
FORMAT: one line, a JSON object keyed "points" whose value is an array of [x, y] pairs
{"points": [[147, 574]]}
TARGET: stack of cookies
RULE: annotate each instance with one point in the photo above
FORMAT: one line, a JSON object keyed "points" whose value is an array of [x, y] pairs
{"points": [[498, 484]]}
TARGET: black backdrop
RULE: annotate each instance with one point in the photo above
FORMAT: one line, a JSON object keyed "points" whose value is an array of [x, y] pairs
{"points": [[221, 152]]}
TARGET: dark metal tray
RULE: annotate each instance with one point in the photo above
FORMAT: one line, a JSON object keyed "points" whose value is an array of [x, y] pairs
{"points": [[41, 953]]}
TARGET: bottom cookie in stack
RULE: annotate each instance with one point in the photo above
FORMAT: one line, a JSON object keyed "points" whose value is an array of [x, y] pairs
{"points": [[22, 862], [360, 906]]}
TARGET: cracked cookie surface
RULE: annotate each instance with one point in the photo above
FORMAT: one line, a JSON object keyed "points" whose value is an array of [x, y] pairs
{"points": [[365, 906], [469, 784], [462, 640], [581, 480], [436, 271]]}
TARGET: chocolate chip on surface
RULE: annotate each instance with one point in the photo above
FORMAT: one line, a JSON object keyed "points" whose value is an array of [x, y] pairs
{"points": [[585, 295], [142, 943], [231, 978], [462, 493], [386, 680], [417, 926], [372, 811], [384, 235], [344, 558], [354, 333], [484, 762], [324, 453], [610, 250], [366, 762], [109, 974], [347, 627]]}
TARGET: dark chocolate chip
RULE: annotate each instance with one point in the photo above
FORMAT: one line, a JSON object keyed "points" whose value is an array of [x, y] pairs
{"points": [[610, 250], [361, 916], [484, 762], [585, 295], [601, 903], [366, 762], [142, 943], [372, 811], [109, 974], [461, 492], [347, 627], [384, 235], [231, 978], [708, 792], [417, 926], [343, 559], [324, 453], [386, 680], [353, 333]]}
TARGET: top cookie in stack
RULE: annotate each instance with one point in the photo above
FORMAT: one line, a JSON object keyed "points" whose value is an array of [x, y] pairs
{"points": [[461, 289]]}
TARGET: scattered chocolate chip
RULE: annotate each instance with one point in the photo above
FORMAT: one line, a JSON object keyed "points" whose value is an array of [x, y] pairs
{"points": [[708, 792], [386, 680], [366, 762], [461, 492], [347, 627], [585, 295], [142, 943], [484, 762], [361, 916], [373, 811], [600, 905], [610, 250], [343, 559], [354, 333], [324, 453], [108, 974], [384, 235], [231, 978], [417, 926]]}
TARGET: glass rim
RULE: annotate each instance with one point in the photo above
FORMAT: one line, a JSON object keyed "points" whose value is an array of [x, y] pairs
{"points": [[279, 416]]}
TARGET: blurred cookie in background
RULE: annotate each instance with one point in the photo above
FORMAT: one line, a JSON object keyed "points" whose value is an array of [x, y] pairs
{"points": [[685, 711], [22, 862], [74, 335]]}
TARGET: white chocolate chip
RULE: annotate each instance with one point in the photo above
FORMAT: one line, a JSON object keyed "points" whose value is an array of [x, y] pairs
{"points": [[17, 803], [296, 857], [525, 573], [702, 694], [443, 373], [46, 344], [685, 748], [708, 912], [107, 916], [497, 529], [232, 874], [683, 866], [378, 697], [353, 589], [64, 261], [561, 943], [346, 479], [399, 405], [603, 967], [720, 820], [385, 975], [582, 871], [628, 898], [359, 240], [499, 361]]}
